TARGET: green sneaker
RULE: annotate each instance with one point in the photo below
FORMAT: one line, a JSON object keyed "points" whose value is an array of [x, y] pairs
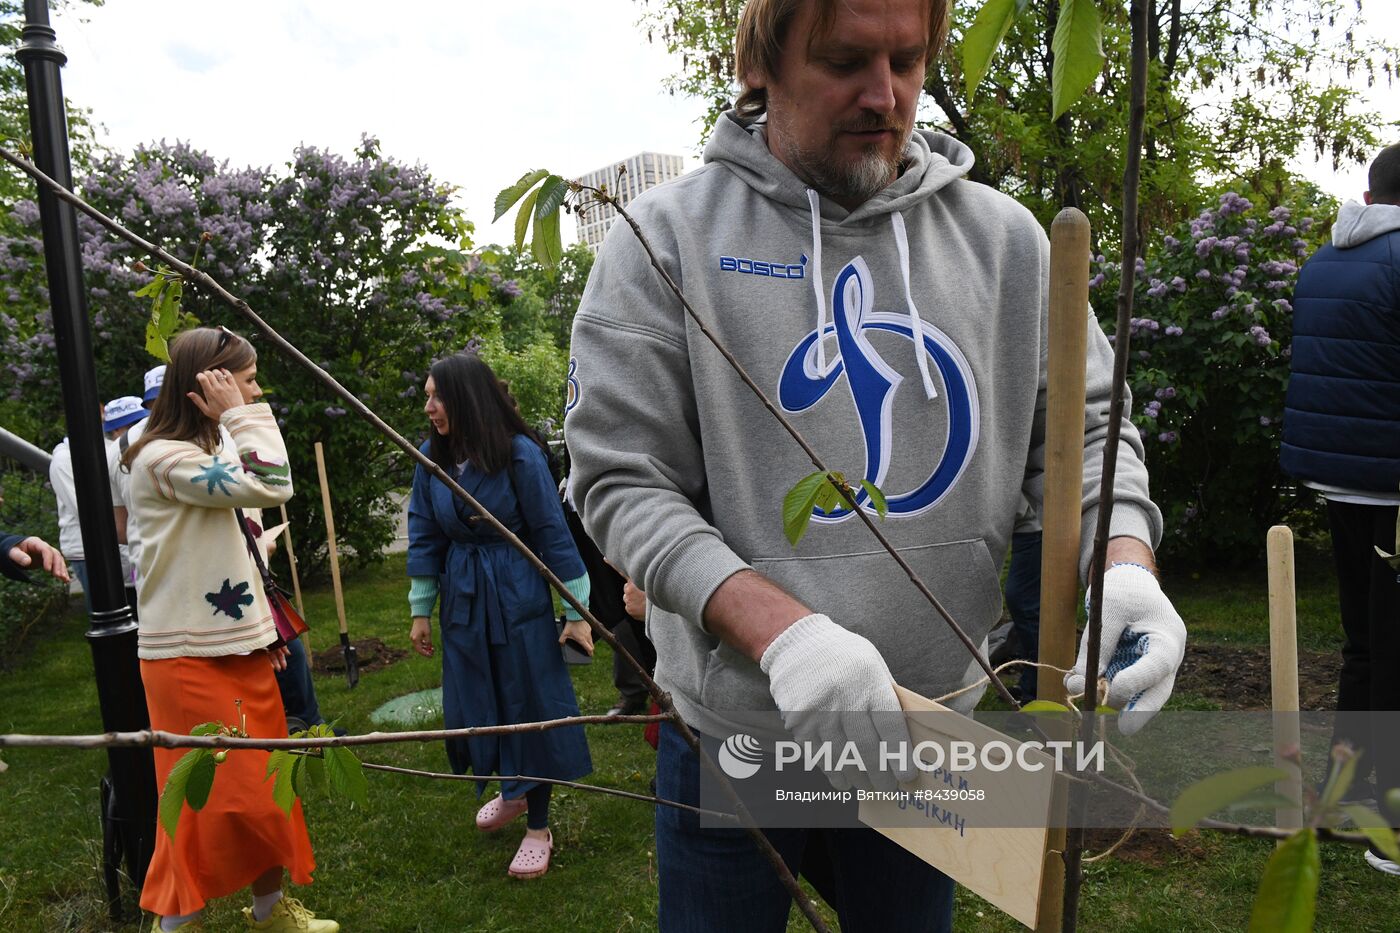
{"points": [[291, 916]]}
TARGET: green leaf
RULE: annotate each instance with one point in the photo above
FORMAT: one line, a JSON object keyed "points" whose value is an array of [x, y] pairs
{"points": [[508, 196], [551, 197], [299, 775], [1217, 792], [877, 498], [1264, 800], [282, 793], [828, 497], [156, 345], [201, 780], [315, 771], [207, 728], [1338, 783], [1078, 49], [279, 760], [982, 38], [522, 219], [168, 308], [798, 504], [1287, 896], [151, 289], [346, 774], [1377, 829], [172, 798], [548, 244]]}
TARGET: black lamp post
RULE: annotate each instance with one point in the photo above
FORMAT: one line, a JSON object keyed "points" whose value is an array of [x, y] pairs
{"points": [[129, 792]]}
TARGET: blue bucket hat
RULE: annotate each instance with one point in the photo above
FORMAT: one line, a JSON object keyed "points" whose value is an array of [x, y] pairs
{"points": [[120, 412], [154, 378]]}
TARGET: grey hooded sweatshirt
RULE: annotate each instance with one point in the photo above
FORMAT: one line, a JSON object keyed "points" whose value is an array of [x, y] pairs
{"points": [[679, 471]]}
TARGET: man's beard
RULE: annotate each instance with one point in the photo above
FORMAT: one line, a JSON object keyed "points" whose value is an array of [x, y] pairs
{"points": [[858, 180]]}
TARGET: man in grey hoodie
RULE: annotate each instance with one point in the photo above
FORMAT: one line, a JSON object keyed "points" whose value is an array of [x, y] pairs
{"points": [[897, 313], [1341, 436]]}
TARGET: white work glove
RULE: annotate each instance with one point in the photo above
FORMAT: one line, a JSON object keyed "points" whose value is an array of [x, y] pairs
{"points": [[1143, 644], [831, 685]]}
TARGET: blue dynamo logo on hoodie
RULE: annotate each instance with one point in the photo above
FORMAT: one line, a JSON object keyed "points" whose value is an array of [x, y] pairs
{"points": [[872, 383]]}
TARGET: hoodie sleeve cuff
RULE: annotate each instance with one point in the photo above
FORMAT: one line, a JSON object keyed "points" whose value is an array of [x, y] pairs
{"points": [[688, 576], [1129, 521]]}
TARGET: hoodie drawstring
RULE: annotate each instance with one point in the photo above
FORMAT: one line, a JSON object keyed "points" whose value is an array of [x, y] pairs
{"points": [[814, 204], [916, 324]]}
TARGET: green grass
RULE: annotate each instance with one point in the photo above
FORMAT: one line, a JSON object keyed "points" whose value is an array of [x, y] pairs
{"points": [[414, 861]]}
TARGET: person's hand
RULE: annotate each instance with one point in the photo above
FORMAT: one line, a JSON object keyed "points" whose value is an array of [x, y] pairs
{"points": [[50, 559], [278, 656], [634, 601], [831, 685], [218, 392], [421, 636], [1143, 644], [580, 633]]}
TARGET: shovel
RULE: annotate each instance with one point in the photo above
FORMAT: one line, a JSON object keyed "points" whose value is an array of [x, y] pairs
{"points": [[352, 661]]}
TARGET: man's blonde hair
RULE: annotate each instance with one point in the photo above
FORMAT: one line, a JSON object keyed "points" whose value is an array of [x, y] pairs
{"points": [[763, 28]]}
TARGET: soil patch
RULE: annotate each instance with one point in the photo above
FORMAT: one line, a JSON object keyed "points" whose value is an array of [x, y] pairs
{"points": [[1152, 847], [1237, 676], [373, 654]]}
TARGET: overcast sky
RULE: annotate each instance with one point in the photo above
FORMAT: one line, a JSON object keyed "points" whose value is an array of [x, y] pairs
{"points": [[479, 92]]}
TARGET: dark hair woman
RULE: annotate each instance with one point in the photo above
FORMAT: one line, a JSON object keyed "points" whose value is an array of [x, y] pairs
{"points": [[501, 661], [209, 449]]}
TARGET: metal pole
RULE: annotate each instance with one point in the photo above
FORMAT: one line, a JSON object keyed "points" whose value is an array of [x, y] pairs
{"points": [[130, 807]]}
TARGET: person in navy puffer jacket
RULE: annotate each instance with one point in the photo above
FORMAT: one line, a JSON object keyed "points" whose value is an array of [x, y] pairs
{"points": [[1341, 436]]}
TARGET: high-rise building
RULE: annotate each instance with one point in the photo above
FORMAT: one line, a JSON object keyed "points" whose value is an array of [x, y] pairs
{"points": [[625, 180]]}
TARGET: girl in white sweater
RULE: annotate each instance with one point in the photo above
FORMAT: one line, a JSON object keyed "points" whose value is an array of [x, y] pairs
{"points": [[206, 628]]}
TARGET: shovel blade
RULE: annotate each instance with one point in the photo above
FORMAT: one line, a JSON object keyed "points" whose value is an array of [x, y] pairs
{"points": [[352, 661]]}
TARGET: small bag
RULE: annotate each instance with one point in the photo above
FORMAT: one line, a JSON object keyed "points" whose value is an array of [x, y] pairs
{"points": [[289, 622]]}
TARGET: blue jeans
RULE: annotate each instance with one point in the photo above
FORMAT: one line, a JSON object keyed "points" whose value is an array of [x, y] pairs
{"points": [[716, 879], [298, 692], [1023, 602]]}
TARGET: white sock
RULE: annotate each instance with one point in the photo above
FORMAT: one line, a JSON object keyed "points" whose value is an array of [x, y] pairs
{"points": [[171, 923], [262, 904]]}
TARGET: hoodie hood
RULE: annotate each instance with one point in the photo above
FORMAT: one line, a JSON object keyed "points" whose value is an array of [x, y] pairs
{"points": [[1357, 223], [931, 161]]}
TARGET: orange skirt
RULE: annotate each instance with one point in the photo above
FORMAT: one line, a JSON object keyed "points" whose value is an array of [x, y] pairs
{"points": [[240, 833]]}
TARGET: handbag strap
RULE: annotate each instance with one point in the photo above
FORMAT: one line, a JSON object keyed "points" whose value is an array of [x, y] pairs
{"points": [[268, 583]]}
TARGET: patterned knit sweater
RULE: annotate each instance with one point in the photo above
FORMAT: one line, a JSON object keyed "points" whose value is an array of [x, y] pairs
{"points": [[200, 594]]}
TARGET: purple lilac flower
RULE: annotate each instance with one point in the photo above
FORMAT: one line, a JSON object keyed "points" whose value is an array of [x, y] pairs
{"points": [[1097, 280], [1157, 289], [1171, 242], [1190, 513], [334, 411], [1167, 437], [1174, 331], [1283, 306], [1280, 213], [1178, 284], [1264, 421], [511, 289], [1166, 392], [1203, 273], [1260, 335], [1204, 246]]}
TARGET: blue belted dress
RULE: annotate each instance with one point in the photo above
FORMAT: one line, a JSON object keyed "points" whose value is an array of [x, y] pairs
{"points": [[501, 661]]}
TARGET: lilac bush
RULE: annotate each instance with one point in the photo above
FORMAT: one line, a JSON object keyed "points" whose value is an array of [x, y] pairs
{"points": [[1212, 327], [361, 262]]}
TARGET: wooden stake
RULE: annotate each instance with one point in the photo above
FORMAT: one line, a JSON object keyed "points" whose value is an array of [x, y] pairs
{"points": [[330, 535], [1283, 670], [1063, 506]]}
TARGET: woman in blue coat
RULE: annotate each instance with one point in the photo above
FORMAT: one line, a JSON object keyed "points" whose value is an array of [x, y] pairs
{"points": [[501, 661]]}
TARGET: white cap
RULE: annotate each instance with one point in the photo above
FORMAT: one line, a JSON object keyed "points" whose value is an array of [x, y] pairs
{"points": [[120, 412], [154, 378]]}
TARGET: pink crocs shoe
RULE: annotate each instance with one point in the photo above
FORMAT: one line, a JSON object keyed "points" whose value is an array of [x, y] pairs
{"points": [[532, 858], [498, 812]]}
